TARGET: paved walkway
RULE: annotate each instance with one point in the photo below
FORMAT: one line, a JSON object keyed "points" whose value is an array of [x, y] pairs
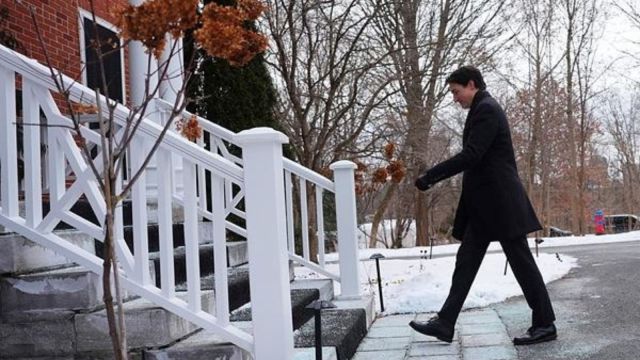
{"points": [[480, 334]]}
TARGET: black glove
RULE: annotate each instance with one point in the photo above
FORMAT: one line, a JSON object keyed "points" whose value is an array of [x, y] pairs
{"points": [[422, 184]]}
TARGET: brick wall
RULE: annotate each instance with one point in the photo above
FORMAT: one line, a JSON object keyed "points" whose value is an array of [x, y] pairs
{"points": [[59, 25]]}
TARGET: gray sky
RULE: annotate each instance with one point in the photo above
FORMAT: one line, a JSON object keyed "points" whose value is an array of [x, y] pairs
{"points": [[619, 38]]}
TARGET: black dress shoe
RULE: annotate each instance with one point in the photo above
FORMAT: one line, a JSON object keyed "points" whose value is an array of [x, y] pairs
{"points": [[537, 334], [436, 327]]}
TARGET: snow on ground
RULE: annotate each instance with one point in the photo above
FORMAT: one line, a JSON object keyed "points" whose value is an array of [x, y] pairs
{"points": [[421, 285], [442, 250], [411, 283]]}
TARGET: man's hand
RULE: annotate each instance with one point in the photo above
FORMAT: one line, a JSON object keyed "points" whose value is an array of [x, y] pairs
{"points": [[422, 185]]}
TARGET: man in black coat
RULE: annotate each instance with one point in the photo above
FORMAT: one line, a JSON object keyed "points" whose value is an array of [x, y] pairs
{"points": [[493, 207]]}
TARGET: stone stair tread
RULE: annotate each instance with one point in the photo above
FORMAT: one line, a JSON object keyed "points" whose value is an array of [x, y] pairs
{"points": [[206, 345], [324, 286], [236, 257], [343, 329], [300, 298], [20, 255], [148, 325], [328, 353], [139, 303], [37, 296], [180, 250]]}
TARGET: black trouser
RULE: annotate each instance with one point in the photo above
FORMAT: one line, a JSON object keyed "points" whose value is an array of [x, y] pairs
{"points": [[523, 265]]}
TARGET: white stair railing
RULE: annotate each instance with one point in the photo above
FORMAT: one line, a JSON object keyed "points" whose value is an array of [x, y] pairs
{"points": [[225, 143], [260, 177]]}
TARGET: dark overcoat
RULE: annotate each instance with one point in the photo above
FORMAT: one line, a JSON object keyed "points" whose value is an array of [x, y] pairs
{"points": [[493, 200]]}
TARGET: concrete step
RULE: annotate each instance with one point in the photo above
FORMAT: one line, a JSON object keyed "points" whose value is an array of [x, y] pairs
{"points": [[47, 339], [40, 296], [237, 283], [324, 287], [56, 317], [236, 256], [20, 255], [300, 298], [205, 232], [147, 324], [205, 345], [303, 292], [83, 209], [343, 328], [86, 335]]}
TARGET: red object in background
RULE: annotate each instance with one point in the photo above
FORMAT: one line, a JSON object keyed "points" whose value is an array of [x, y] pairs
{"points": [[598, 220]]}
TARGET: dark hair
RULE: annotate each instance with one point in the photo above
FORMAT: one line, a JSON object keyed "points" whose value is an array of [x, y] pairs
{"points": [[465, 74]]}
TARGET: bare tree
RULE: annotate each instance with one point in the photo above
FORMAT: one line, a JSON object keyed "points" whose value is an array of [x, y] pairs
{"points": [[622, 125], [581, 18], [427, 39], [631, 9], [535, 39], [328, 85]]}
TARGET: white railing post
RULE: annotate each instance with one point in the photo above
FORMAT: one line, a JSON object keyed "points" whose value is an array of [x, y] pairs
{"points": [[8, 148], [266, 229], [343, 174], [32, 157]]}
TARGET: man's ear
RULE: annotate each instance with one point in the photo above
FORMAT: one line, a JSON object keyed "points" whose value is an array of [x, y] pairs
{"points": [[472, 83]]}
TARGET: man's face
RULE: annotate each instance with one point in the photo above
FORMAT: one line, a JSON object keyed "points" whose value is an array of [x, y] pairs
{"points": [[463, 94]]}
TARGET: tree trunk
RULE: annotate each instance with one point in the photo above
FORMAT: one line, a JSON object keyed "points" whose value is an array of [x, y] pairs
{"points": [[379, 214], [421, 117], [573, 188], [117, 339], [422, 220]]}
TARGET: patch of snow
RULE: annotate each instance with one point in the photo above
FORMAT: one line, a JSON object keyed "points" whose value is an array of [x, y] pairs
{"points": [[420, 285], [441, 250]]}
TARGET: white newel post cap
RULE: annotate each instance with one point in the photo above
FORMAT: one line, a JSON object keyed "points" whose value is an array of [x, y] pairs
{"points": [[343, 165], [260, 135]]}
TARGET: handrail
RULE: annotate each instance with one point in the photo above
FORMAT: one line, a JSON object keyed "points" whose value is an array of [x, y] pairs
{"points": [[309, 175], [230, 136], [207, 125]]}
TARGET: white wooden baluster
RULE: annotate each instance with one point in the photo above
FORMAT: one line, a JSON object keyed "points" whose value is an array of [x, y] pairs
{"points": [[125, 258], [304, 218], [220, 251], [191, 234], [32, 162], [139, 211], [320, 223], [288, 188], [8, 148], [343, 173], [55, 157], [228, 197], [165, 222], [266, 228], [202, 184]]}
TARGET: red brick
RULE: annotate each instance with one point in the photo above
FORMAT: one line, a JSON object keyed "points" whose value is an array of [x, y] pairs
{"points": [[58, 25]]}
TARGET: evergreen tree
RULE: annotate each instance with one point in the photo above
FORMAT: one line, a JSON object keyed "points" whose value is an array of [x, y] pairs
{"points": [[237, 98]]}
